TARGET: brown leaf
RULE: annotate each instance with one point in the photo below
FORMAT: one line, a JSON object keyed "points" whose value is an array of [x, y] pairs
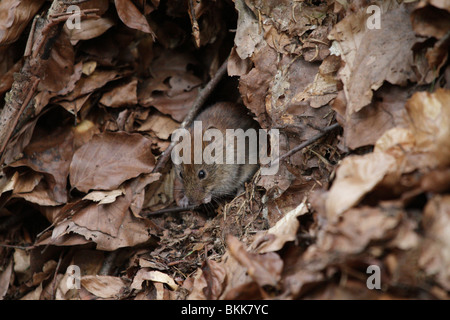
{"points": [[109, 159], [60, 66], [265, 268], [120, 96], [355, 177], [357, 228], [435, 257], [431, 20], [248, 34], [89, 84], [285, 230], [132, 17], [14, 17], [89, 29], [50, 154], [173, 88], [366, 126], [152, 275], [373, 56], [104, 286], [161, 125]]}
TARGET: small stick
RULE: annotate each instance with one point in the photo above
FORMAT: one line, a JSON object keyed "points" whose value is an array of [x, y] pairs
{"points": [[198, 103], [309, 141], [29, 45], [147, 214], [22, 108]]}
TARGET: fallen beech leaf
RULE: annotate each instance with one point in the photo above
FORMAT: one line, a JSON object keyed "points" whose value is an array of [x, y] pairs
{"points": [[123, 95], [89, 29], [103, 197], [60, 66], [27, 182], [354, 178], [103, 286], [430, 123], [155, 276], [14, 18], [50, 154], [431, 18], [209, 281], [265, 268], [160, 124], [285, 230], [435, 256], [357, 227], [109, 159], [8, 183], [386, 111], [132, 17], [248, 33], [373, 56]]}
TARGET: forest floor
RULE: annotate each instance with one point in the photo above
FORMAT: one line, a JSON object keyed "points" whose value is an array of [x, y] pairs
{"points": [[89, 106]]}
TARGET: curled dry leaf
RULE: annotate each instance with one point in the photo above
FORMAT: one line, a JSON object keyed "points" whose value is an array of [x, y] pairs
{"points": [[423, 144], [89, 29], [354, 178], [103, 197], [173, 88], [123, 95], [283, 231], [357, 228], [151, 275], [160, 124], [51, 155], [373, 56], [14, 17], [209, 281], [248, 33], [435, 256], [265, 269], [109, 159], [106, 287], [132, 17], [365, 127]]}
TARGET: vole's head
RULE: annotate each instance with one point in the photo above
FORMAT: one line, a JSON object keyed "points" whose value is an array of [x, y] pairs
{"points": [[204, 182]]}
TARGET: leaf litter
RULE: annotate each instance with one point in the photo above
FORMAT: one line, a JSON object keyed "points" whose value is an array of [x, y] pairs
{"points": [[78, 171]]}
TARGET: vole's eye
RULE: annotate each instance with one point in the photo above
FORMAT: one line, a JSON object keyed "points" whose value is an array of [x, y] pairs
{"points": [[201, 174]]}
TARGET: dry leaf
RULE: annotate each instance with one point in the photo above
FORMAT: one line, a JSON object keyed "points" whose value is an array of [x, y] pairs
{"points": [[105, 287], [109, 159]]}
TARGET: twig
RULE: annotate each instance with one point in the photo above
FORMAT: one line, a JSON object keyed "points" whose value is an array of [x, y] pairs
{"points": [[147, 214], [198, 103], [13, 246], [29, 45], [55, 276], [309, 141], [194, 23], [16, 117]]}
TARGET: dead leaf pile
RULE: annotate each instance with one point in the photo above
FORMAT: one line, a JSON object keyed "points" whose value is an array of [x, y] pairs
{"points": [[79, 165]]}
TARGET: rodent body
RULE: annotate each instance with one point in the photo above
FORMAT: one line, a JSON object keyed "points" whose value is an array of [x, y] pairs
{"points": [[203, 183]]}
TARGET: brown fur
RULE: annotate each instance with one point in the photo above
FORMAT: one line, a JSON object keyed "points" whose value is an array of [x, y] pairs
{"points": [[221, 180]]}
